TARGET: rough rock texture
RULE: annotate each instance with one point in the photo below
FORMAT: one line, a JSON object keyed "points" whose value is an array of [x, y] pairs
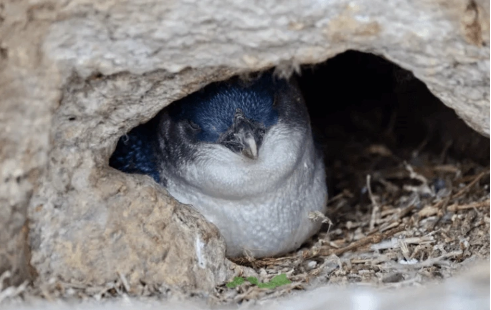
{"points": [[76, 75], [100, 222]]}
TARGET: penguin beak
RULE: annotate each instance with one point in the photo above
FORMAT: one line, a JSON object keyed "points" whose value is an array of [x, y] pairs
{"points": [[243, 136], [250, 146]]}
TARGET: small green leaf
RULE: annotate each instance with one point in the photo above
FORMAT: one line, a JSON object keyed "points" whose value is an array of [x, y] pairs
{"points": [[280, 280], [276, 281], [269, 285], [235, 282], [253, 280]]}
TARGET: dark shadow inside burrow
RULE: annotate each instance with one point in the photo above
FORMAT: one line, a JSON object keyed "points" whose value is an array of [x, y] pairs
{"points": [[371, 114], [374, 118]]}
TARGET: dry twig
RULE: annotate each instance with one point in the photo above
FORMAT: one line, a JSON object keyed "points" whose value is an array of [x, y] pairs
{"points": [[375, 205], [466, 188]]}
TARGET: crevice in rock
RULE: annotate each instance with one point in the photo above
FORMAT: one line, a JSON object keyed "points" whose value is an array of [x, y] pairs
{"points": [[370, 116]]}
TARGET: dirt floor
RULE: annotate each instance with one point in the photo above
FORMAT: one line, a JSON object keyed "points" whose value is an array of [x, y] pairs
{"points": [[409, 192]]}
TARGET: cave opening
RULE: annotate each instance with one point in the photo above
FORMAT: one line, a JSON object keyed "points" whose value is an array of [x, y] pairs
{"points": [[387, 141]]}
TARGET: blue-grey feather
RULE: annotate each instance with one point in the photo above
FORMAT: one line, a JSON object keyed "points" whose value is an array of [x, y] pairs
{"points": [[135, 152]]}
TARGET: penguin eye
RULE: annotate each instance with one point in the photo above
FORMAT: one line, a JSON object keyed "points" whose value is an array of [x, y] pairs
{"points": [[260, 131], [193, 125]]}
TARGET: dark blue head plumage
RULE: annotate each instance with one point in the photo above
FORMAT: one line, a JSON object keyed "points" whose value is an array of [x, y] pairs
{"points": [[235, 114], [213, 108]]}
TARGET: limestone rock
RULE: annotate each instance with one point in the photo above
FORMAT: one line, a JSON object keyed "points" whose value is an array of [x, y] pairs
{"points": [[76, 75]]}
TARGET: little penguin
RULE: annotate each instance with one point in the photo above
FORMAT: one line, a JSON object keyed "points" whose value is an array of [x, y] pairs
{"points": [[242, 154]]}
